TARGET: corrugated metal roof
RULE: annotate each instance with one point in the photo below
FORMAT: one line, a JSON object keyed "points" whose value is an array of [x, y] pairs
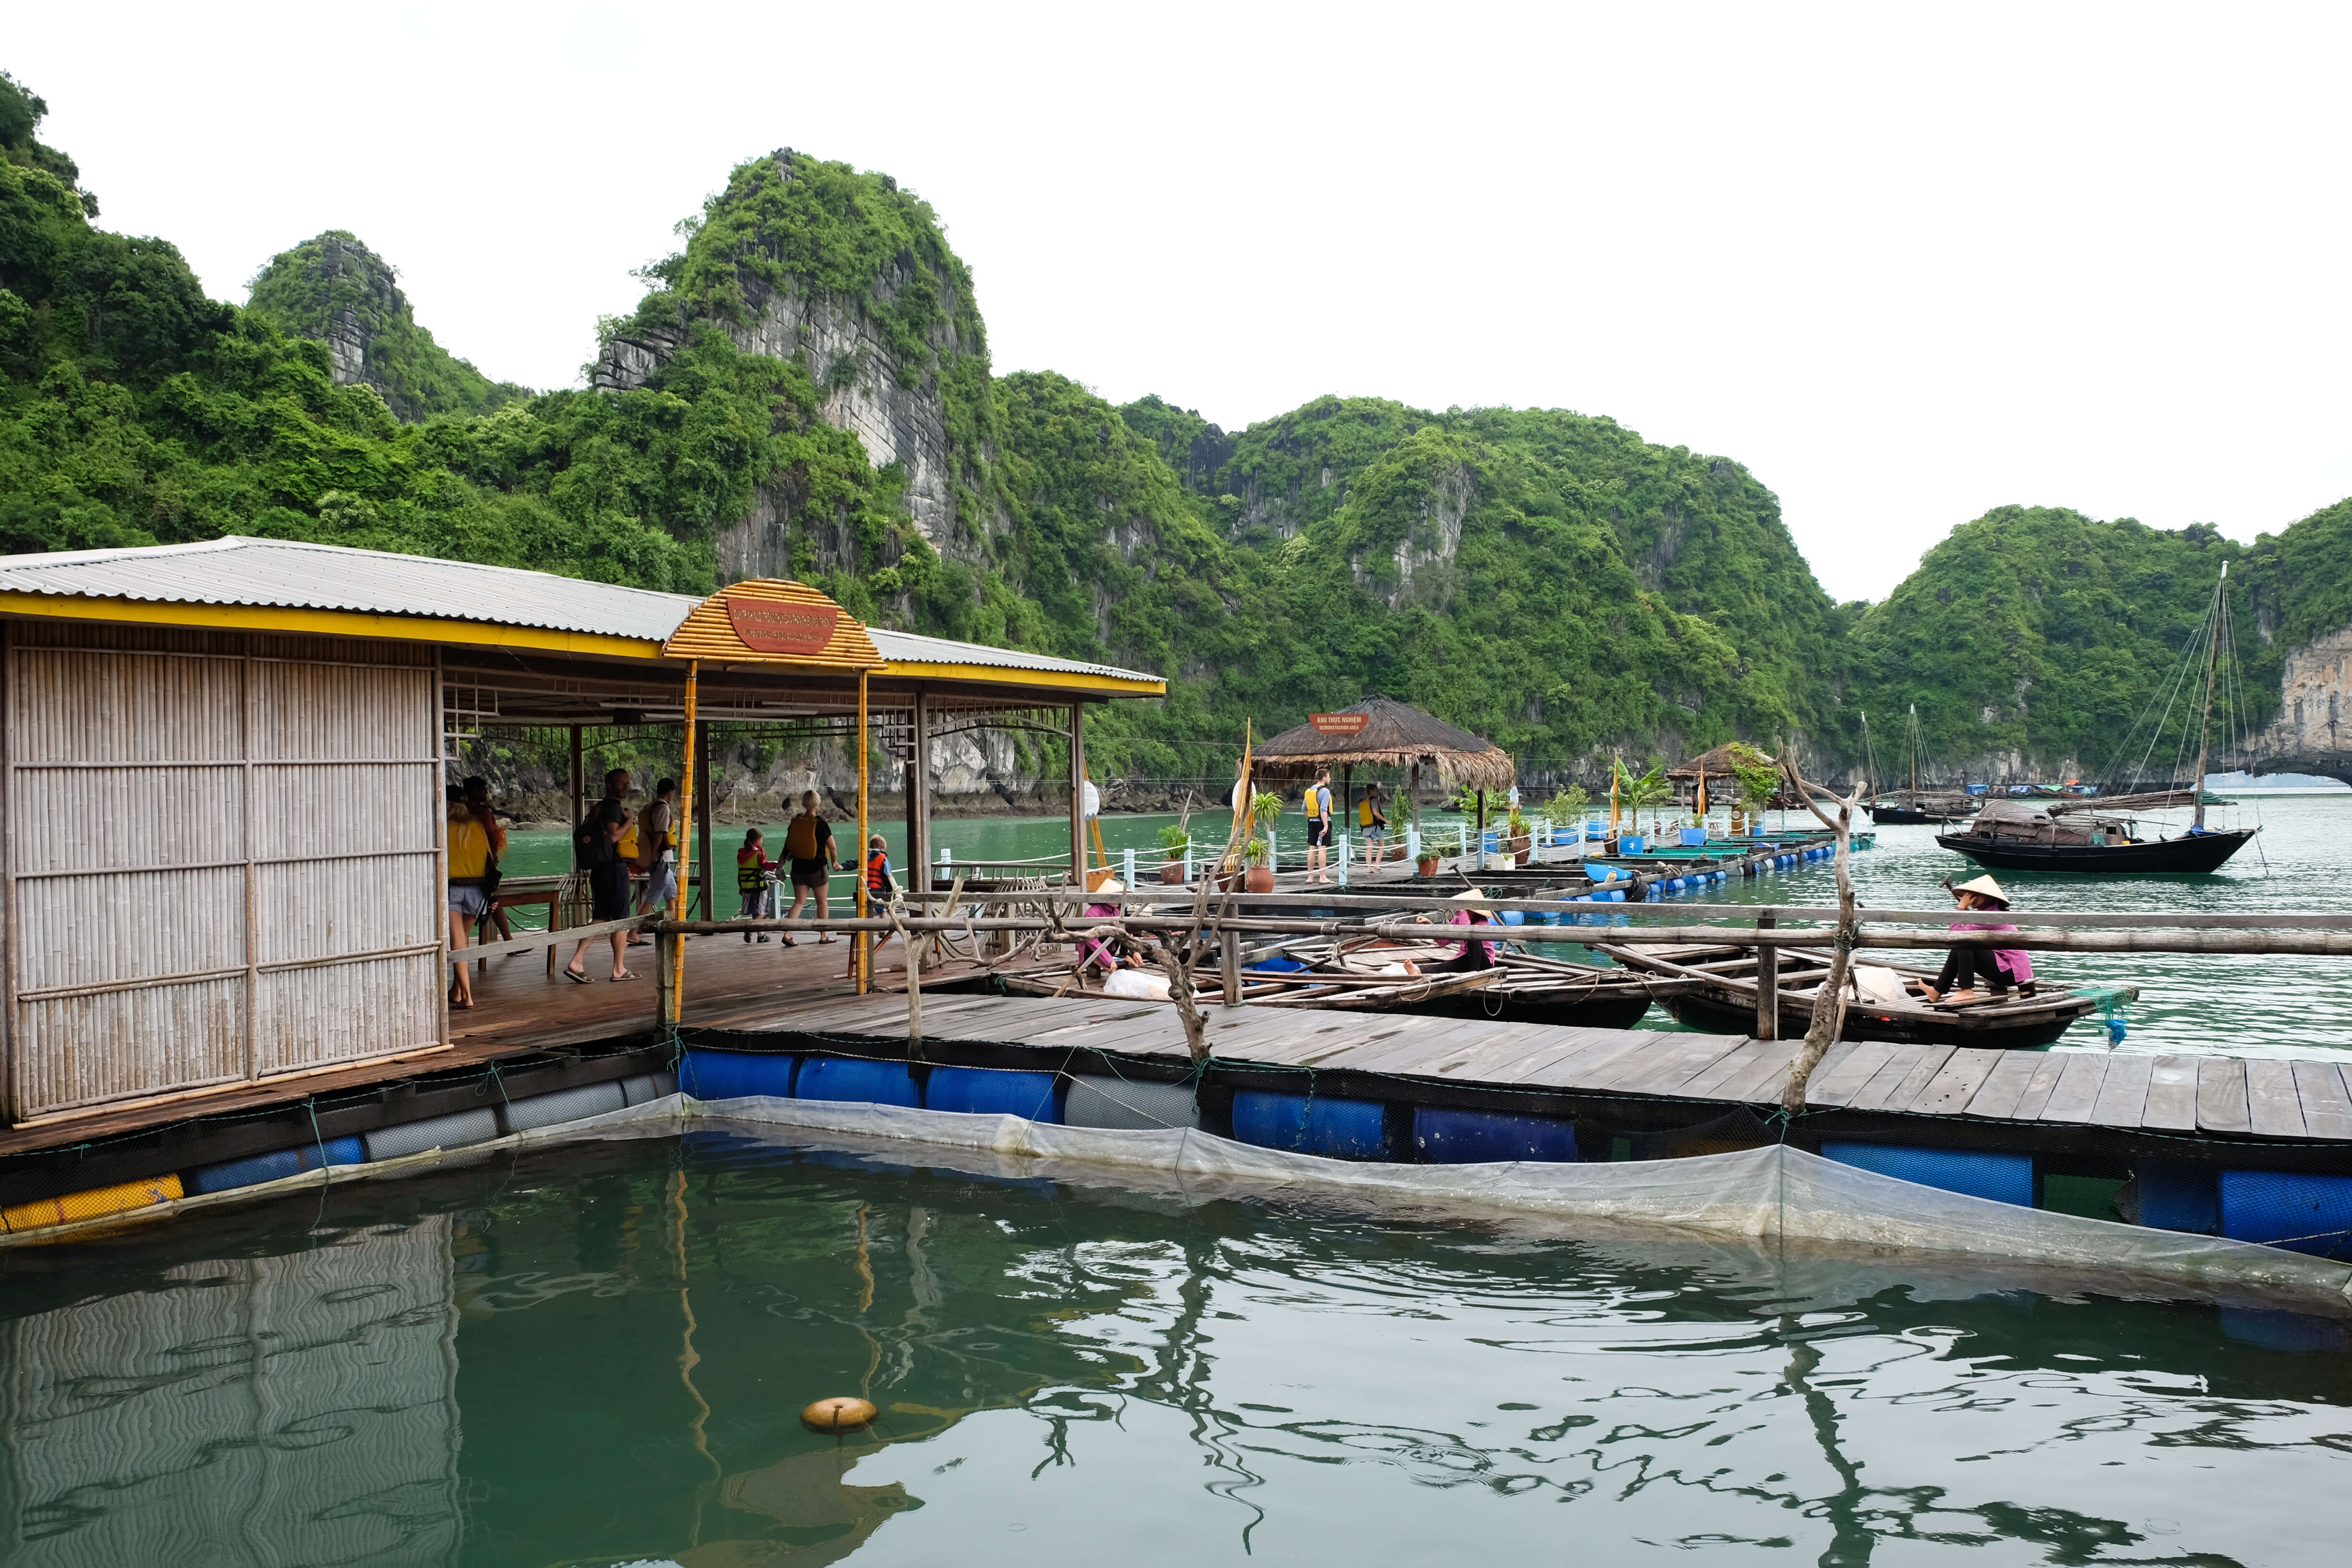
{"points": [[912, 647], [284, 573], [291, 574]]}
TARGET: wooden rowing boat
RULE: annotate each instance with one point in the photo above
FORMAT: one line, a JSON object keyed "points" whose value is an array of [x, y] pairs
{"points": [[1724, 999]]}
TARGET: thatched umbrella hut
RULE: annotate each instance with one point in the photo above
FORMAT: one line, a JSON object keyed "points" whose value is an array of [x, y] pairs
{"points": [[1392, 734], [1718, 764]]}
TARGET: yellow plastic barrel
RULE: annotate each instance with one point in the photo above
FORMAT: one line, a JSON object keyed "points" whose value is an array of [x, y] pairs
{"points": [[91, 1203]]}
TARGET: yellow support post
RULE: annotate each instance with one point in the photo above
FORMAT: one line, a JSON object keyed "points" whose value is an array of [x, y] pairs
{"points": [[683, 826], [862, 952]]}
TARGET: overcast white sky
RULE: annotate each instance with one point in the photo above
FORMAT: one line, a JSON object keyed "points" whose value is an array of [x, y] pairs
{"points": [[1905, 262]]}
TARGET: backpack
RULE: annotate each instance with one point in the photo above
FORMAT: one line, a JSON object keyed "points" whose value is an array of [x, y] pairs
{"points": [[593, 848]]}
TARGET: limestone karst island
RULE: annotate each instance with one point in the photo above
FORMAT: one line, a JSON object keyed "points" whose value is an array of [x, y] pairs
{"points": [[797, 949]]}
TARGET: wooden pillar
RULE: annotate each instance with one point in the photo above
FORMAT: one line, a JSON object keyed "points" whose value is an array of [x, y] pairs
{"points": [[1768, 985], [918, 798], [1078, 795], [861, 949], [1481, 850], [702, 830], [579, 804], [672, 960]]}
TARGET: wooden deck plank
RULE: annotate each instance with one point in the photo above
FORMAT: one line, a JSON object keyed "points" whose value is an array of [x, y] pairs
{"points": [[1580, 1067], [2326, 1101], [2004, 1086], [2123, 1096], [1666, 1069], [1923, 1072], [1837, 1084], [2044, 1084], [1763, 1076], [2273, 1107], [2171, 1103], [1775, 1084], [1874, 1093], [1956, 1081], [2079, 1077], [1469, 1062], [1562, 1059], [2221, 1095], [1708, 1084], [1418, 1049]]}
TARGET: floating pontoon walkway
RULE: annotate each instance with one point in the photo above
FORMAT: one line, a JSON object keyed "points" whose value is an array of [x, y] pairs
{"points": [[2019, 1093]]}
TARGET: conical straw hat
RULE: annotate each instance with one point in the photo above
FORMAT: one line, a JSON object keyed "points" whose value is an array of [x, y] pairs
{"points": [[1987, 887]]}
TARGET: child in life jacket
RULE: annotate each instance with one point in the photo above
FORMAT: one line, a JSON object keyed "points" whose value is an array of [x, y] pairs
{"points": [[880, 889], [751, 871]]}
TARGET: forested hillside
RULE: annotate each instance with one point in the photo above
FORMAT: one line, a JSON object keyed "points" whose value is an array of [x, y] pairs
{"points": [[806, 390]]}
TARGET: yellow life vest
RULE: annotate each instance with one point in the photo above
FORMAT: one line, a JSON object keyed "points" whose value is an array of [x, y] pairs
{"points": [[1317, 798], [627, 847], [800, 838], [469, 850], [1364, 811]]}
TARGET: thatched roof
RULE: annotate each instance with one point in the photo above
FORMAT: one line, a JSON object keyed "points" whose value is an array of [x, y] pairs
{"points": [[1396, 735], [1717, 763]]}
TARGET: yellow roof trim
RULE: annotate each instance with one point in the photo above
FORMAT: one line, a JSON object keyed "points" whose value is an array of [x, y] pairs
{"points": [[1003, 674], [325, 623]]}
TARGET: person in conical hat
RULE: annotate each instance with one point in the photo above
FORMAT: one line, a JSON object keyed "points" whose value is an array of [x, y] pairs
{"points": [[2001, 967]]}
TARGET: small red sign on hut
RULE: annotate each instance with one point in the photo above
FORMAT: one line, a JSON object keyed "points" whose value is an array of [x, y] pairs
{"points": [[1340, 723], [767, 627]]}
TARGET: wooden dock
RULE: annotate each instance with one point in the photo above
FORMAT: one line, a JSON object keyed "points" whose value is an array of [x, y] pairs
{"points": [[2009, 1098]]}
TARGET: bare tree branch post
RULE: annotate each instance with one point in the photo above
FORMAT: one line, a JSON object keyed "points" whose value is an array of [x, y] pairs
{"points": [[1828, 1002]]}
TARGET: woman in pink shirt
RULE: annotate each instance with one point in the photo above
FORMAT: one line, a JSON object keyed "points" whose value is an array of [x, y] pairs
{"points": [[2001, 967]]}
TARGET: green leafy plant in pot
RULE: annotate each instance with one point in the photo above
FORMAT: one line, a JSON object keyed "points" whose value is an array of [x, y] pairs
{"points": [[1173, 840]]}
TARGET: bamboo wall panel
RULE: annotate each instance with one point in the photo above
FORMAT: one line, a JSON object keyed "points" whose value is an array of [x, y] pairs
{"points": [[291, 1408], [318, 909], [344, 1012], [345, 808], [334, 711], [112, 819], [113, 1044], [81, 707], [127, 926], [130, 864]]}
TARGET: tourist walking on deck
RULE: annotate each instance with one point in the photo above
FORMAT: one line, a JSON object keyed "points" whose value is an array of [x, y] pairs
{"points": [[598, 853], [2000, 967], [808, 845], [880, 889], [752, 868], [476, 842], [495, 926], [658, 850], [1372, 823], [1318, 828]]}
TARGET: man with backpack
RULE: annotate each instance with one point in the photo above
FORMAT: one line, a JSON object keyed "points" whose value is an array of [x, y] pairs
{"points": [[596, 853]]}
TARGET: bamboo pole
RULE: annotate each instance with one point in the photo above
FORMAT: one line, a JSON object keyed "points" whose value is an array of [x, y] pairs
{"points": [[860, 954], [675, 996]]}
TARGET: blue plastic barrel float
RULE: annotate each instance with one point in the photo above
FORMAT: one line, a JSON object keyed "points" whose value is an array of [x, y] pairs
{"points": [[1340, 1129], [276, 1164], [982, 1092], [736, 1074], [857, 1079], [2288, 1209], [2176, 1194], [2004, 1178], [1446, 1136], [1097, 1101]]}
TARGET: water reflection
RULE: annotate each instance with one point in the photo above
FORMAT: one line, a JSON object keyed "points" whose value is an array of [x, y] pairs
{"points": [[597, 1354]]}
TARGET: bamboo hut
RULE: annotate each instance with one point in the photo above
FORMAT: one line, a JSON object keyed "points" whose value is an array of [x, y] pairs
{"points": [[1393, 735], [1715, 767]]}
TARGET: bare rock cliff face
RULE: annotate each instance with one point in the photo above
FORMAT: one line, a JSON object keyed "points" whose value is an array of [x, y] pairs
{"points": [[2312, 731], [897, 415]]}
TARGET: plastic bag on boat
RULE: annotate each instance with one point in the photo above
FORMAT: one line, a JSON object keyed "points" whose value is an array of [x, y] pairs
{"points": [[1135, 982], [1876, 982]]}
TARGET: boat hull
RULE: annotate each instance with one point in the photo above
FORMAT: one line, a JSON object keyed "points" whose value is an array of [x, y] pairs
{"points": [[1909, 817], [2202, 852], [1719, 1014], [1608, 1008]]}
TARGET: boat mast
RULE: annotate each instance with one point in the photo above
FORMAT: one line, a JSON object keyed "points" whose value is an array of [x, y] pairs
{"points": [[1912, 734], [2205, 725]]}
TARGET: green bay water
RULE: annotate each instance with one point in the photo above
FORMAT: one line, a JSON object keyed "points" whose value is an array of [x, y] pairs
{"points": [[2244, 1005], [596, 1352]]}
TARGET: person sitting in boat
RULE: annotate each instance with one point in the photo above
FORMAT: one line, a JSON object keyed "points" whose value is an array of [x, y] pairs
{"points": [[2001, 967], [1473, 954]]}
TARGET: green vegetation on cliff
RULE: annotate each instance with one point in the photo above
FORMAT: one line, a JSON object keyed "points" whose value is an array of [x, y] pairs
{"points": [[2039, 633], [334, 289]]}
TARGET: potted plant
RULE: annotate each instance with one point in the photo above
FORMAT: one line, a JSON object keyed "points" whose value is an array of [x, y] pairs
{"points": [[1174, 839], [1260, 876], [1517, 842]]}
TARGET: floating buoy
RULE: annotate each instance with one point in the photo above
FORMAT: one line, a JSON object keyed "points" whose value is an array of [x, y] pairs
{"points": [[839, 1415]]}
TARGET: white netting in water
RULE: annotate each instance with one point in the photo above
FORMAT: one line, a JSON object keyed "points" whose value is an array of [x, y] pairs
{"points": [[1774, 1194]]}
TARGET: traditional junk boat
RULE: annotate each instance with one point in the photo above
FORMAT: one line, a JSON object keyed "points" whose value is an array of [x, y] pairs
{"points": [[2096, 835], [1915, 806], [1883, 1003]]}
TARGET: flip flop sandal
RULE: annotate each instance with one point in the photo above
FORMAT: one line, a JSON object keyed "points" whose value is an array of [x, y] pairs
{"points": [[625, 974], [577, 977]]}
